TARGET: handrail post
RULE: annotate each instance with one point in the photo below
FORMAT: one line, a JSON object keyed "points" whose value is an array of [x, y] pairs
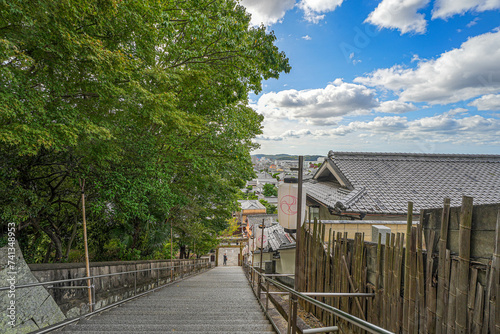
{"points": [[93, 296], [267, 295], [294, 314], [157, 277], [252, 275], [258, 287], [135, 281], [289, 326]]}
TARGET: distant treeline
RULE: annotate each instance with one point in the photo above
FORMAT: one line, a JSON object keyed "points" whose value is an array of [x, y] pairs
{"points": [[287, 157]]}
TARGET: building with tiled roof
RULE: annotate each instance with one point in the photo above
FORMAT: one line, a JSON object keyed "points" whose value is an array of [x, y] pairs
{"points": [[248, 208], [355, 185], [251, 204], [265, 178]]}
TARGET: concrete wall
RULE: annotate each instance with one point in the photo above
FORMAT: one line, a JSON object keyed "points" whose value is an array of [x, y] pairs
{"points": [[324, 214], [232, 256], [286, 263], [265, 257], [362, 226], [108, 289]]}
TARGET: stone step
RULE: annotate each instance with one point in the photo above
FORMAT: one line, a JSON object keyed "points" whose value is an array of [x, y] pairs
{"points": [[182, 313], [156, 320], [136, 328], [218, 301]]}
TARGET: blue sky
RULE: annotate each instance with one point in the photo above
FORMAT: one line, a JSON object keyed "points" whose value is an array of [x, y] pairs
{"points": [[418, 76]]}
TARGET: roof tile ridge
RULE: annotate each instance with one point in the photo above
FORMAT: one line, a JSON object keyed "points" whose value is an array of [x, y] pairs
{"points": [[353, 197], [342, 175], [356, 154]]}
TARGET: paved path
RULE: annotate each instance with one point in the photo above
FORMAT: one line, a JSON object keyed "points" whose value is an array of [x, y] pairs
{"points": [[218, 301]]}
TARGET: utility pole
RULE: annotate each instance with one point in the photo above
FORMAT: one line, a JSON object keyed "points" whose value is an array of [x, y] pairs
{"points": [[87, 264], [261, 254], [298, 270]]}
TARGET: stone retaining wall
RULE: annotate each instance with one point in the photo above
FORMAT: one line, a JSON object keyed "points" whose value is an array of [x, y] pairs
{"points": [[28, 309], [108, 290]]}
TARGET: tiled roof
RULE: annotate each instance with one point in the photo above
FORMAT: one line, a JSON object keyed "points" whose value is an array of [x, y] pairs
{"points": [[383, 183], [275, 234], [251, 205], [264, 175], [277, 238]]}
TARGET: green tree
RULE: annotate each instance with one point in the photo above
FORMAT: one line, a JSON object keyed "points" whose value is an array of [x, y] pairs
{"points": [[270, 209], [146, 101], [269, 190]]}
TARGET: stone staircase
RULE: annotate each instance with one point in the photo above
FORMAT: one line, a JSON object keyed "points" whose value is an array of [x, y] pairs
{"points": [[218, 301]]}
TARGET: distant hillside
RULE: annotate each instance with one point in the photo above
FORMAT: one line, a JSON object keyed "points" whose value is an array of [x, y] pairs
{"points": [[287, 157]]}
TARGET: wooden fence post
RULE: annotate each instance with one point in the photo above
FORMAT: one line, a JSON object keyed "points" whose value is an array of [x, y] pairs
{"points": [[406, 296], [443, 239], [463, 265]]}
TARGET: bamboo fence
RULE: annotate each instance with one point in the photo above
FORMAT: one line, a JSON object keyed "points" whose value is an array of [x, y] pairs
{"points": [[416, 290]]}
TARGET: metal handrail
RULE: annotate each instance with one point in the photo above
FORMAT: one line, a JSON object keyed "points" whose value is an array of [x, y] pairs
{"points": [[339, 313], [72, 320], [29, 285]]}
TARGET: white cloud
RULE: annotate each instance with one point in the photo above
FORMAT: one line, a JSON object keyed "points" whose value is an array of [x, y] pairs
{"points": [[447, 8], [460, 74], [287, 134], [269, 138], [395, 107], [451, 127], [487, 102], [324, 106], [400, 14], [307, 37], [472, 23], [267, 12], [314, 10], [296, 134]]}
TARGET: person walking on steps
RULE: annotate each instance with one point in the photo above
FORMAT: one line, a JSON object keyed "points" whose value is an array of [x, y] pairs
{"points": [[225, 259]]}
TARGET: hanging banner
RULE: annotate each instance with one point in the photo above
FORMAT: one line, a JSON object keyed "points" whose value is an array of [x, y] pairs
{"points": [[261, 239], [288, 204]]}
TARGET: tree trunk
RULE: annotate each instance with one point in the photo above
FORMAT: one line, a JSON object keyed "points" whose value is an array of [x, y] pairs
{"points": [[48, 253], [54, 237], [70, 242], [137, 230], [182, 253]]}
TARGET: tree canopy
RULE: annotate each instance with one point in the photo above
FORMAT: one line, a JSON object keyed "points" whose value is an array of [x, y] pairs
{"points": [[269, 190], [147, 101]]}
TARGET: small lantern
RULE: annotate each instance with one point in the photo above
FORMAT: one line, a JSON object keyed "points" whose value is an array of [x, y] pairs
{"points": [[288, 203], [261, 238]]}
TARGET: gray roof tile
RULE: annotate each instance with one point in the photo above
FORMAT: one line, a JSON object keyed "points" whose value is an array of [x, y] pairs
{"points": [[384, 182]]}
